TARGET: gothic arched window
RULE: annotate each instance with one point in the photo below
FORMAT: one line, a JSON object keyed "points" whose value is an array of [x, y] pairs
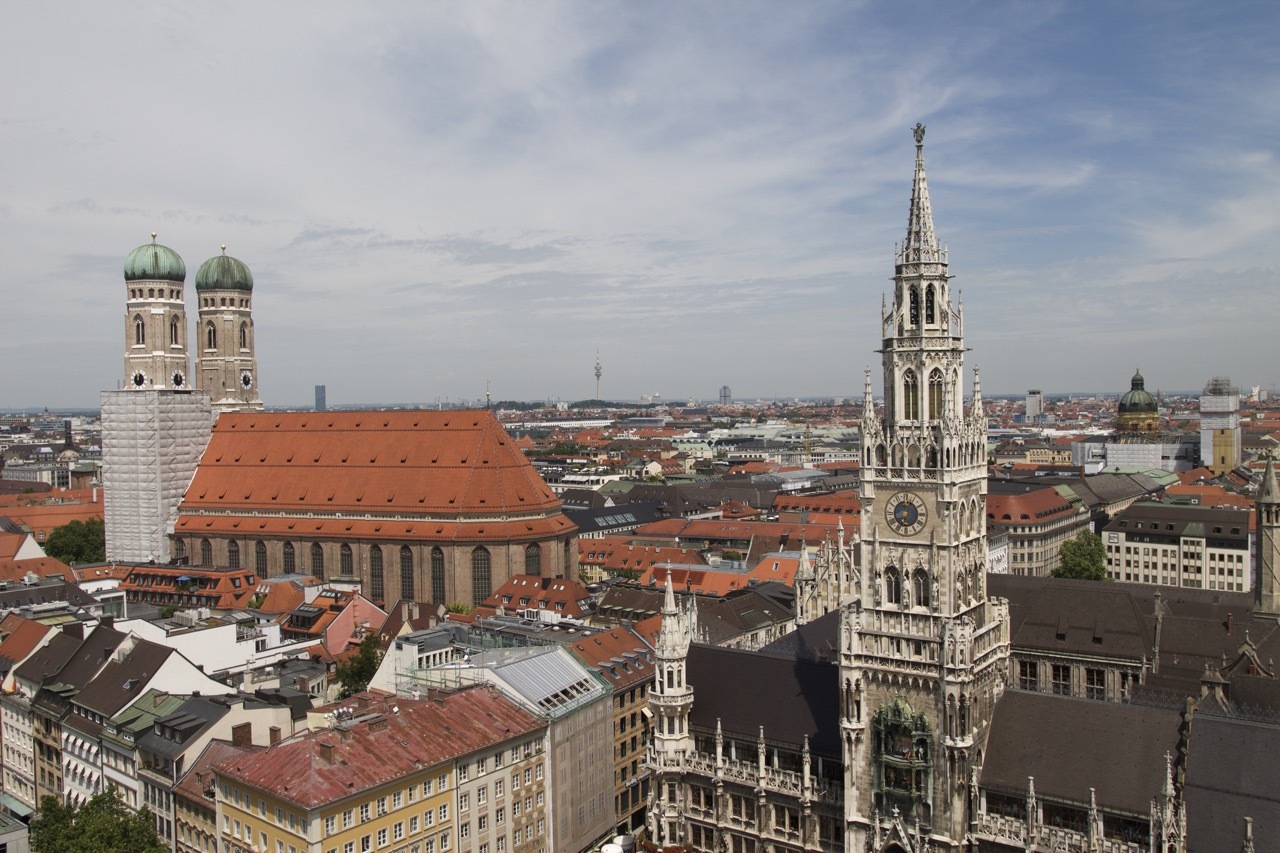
{"points": [[935, 394], [910, 396], [533, 559], [317, 560], [406, 572], [481, 575], [206, 553], [180, 548], [244, 336], [920, 588], [345, 563], [929, 312], [892, 586], [173, 331], [139, 330], [233, 554], [437, 575], [914, 316], [375, 574], [210, 337], [260, 558], [290, 559]]}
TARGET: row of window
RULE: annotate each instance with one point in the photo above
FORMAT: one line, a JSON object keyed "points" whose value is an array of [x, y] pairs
{"points": [[481, 566], [394, 802], [1060, 679], [140, 331]]}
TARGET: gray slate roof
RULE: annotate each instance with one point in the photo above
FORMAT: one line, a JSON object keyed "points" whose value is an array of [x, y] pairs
{"points": [[1058, 740], [1232, 774], [790, 698]]}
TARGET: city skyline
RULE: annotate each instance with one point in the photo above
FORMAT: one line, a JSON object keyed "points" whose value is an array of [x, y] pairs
{"points": [[436, 199]]}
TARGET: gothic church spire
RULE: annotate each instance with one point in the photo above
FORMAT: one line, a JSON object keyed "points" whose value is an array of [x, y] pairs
{"points": [[921, 245]]}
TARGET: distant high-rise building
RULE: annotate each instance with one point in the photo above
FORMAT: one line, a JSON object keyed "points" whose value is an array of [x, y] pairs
{"points": [[1220, 425], [226, 368], [726, 395], [1035, 405], [320, 402]]}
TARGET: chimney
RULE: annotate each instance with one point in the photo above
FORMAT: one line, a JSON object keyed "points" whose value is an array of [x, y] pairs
{"points": [[273, 735], [326, 751], [242, 735]]}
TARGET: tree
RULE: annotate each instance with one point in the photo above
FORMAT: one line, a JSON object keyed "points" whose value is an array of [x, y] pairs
{"points": [[358, 670], [1083, 558], [78, 542], [102, 825]]}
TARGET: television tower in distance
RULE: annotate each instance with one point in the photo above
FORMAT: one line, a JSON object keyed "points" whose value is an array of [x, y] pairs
{"points": [[597, 372]]}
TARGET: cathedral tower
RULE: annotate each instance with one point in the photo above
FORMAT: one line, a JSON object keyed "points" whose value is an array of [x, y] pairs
{"points": [[226, 368], [924, 653], [155, 324], [154, 430]]}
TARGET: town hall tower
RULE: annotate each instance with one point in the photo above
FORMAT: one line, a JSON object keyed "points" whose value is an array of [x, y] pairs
{"points": [[923, 652]]}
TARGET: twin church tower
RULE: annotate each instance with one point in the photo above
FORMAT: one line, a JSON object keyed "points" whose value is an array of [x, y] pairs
{"points": [[156, 426], [156, 355]]}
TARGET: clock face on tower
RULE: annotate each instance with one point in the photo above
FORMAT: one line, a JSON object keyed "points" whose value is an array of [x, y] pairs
{"points": [[246, 379], [906, 513], [139, 379]]}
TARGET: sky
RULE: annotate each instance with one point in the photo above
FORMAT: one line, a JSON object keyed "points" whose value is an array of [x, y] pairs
{"points": [[439, 198]]}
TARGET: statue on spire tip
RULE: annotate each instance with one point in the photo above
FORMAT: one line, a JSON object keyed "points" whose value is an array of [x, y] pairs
{"points": [[918, 130]]}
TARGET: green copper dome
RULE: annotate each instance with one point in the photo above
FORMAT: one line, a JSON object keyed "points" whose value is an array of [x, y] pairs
{"points": [[223, 272], [1137, 398], [153, 262]]}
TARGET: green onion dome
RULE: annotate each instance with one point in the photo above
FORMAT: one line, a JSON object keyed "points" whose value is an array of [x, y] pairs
{"points": [[153, 262], [223, 272]]}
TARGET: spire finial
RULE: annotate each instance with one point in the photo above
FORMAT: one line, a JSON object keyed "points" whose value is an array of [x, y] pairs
{"points": [[921, 245], [153, 236], [224, 248]]}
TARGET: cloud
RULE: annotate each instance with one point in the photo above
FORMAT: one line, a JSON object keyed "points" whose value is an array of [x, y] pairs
{"points": [[434, 195]]}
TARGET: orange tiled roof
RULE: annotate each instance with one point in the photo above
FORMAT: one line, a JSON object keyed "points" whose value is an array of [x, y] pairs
{"points": [[10, 543], [710, 528], [400, 529], [284, 596], [46, 517], [440, 464], [845, 502], [100, 572], [620, 654], [220, 589], [615, 554], [53, 497], [523, 592], [20, 636], [43, 567], [1211, 496], [394, 739], [1029, 507]]}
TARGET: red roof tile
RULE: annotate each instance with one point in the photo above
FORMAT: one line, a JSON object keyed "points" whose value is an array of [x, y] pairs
{"points": [[328, 765], [444, 464]]}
